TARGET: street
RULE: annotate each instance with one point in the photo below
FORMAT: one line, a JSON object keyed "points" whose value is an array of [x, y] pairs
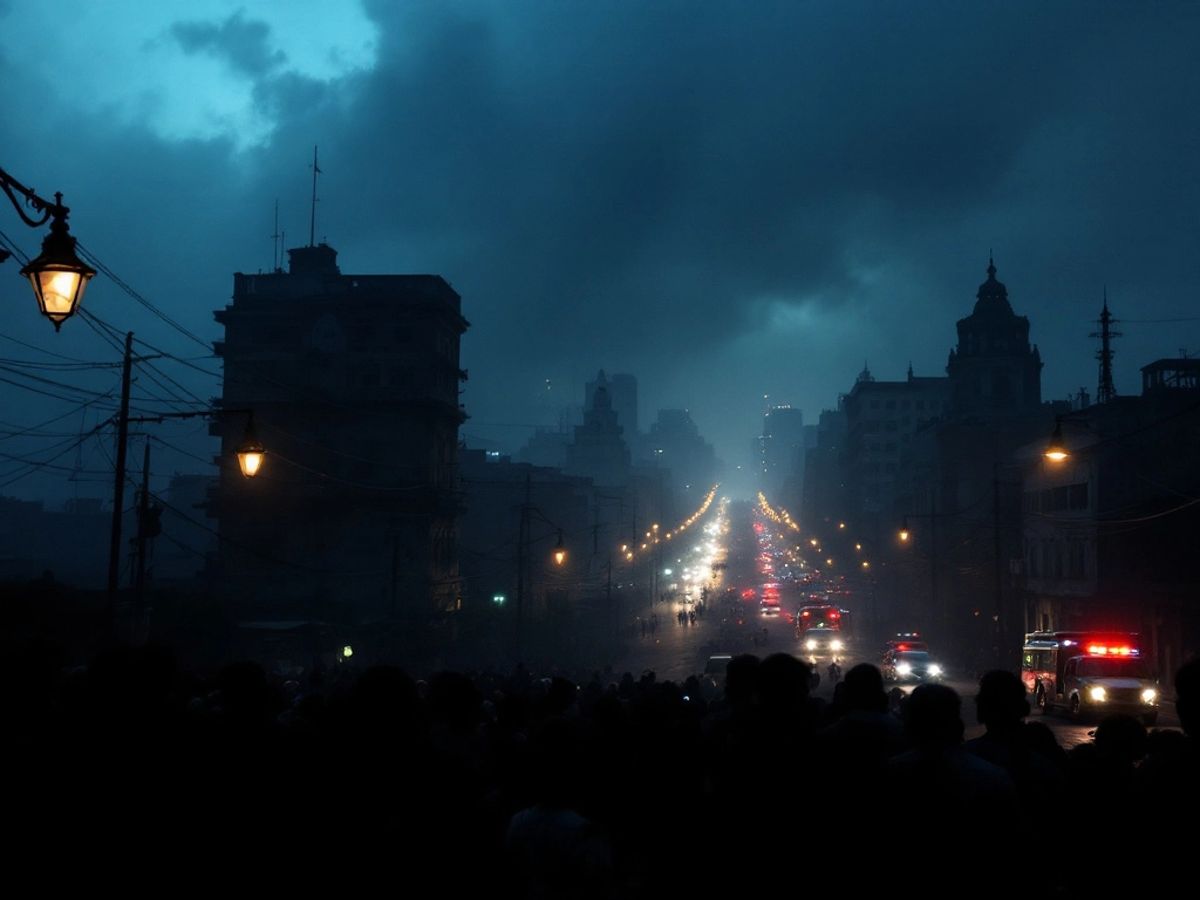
{"points": [[735, 623]]}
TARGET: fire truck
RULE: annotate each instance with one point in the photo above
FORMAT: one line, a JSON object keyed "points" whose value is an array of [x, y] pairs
{"points": [[1089, 673]]}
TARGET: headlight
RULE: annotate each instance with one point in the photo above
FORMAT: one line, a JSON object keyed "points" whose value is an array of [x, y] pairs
{"points": [[904, 669], [835, 645], [810, 645], [1149, 695], [935, 669], [1098, 694]]}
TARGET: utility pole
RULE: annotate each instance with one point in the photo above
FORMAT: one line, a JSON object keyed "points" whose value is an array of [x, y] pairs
{"points": [[139, 585], [999, 617], [522, 543], [114, 544], [933, 591], [608, 600]]}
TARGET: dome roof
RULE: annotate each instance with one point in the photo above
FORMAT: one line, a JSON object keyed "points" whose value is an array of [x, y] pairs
{"points": [[992, 298]]}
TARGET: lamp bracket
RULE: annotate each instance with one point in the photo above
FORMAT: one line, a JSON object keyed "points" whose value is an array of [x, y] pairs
{"points": [[40, 205]]}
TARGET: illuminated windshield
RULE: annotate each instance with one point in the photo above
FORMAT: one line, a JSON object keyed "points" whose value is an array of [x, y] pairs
{"points": [[1113, 668]]}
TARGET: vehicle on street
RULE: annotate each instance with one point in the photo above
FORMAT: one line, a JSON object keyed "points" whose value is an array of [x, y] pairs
{"points": [[1089, 674], [909, 665], [828, 643]]}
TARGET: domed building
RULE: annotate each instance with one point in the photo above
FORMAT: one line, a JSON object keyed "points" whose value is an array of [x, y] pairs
{"points": [[994, 370]]}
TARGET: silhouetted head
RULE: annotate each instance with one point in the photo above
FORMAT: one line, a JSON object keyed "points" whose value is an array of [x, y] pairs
{"points": [[863, 689], [245, 694], [1001, 703], [741, 676], [1121, 739], [783, 681], [384, 697], [454, 700], [933, 716], [1187, 697]]}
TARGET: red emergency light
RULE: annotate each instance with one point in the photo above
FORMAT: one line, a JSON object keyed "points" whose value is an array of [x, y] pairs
{"points": [[834, 614], [1110, 650], [805, 613]]}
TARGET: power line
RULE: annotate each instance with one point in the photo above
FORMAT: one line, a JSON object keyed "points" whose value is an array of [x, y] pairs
{"points": [[123, 285]]}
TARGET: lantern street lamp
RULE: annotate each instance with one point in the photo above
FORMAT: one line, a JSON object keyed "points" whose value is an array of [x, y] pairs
{"points": [[58, 276], [560, 552], [250, 451]]}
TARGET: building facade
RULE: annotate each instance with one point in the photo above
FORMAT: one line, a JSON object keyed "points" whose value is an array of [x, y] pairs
{"points": [[353, 381]]}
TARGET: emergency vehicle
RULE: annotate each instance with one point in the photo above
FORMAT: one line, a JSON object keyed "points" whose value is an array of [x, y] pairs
{"points": [[1089, 673]]}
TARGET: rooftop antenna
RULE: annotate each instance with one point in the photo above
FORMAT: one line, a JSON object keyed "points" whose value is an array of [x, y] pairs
{"points": [[1106, 390], [312, 221], [276, 251]]}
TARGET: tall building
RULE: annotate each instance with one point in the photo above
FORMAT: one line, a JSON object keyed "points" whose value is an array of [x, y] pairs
{"points": [[354, 384], [881, 419], [677, 445], [993, 370], [623, 394], [598, 451], [781, 446]]}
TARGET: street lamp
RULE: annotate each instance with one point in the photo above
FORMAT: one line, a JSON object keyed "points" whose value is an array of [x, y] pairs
{"points": [[58, 276], [250, 452], [1056, 451], [560, 552], [904, 533]]}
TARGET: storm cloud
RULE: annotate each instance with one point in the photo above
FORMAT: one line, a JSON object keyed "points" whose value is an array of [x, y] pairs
{"points": [[728, 200]]}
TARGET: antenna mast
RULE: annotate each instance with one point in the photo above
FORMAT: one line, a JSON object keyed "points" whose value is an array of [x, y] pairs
{"points": [[312, 222], [276, 252], [1106, 390]]}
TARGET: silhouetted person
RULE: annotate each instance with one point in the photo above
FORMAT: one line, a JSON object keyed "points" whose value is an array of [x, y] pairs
{"points": [[940, 789], [1001, 707]]}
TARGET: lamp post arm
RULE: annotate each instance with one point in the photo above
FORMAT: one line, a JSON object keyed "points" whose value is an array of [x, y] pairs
{"points": [[12, 187]]}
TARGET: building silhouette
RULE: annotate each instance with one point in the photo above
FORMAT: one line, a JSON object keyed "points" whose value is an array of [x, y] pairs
{"points": [[993, 370], [354, 384], [599, 451]]}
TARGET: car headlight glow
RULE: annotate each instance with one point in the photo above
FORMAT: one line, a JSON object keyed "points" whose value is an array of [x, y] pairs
{"points": [[904, 669], [1098, 694], [1149, 695], [935, 669], [810, 644], [835, 645]]}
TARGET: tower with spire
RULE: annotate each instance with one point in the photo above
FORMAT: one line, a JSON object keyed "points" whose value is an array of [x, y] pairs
{"points": [[599, 451], [993, 370]]}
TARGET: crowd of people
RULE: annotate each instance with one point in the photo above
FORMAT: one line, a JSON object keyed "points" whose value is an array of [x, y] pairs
{"points": [[604, 786]]}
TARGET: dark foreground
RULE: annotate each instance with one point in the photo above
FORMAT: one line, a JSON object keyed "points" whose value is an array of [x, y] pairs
{"points": [[133, 773]]}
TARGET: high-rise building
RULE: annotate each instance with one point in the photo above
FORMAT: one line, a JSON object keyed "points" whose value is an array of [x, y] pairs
{"points": [[782, 446], [354, 384], [623, 395]]}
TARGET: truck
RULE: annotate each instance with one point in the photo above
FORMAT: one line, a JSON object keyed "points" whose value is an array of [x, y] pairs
{"points": [[1089, 674]]}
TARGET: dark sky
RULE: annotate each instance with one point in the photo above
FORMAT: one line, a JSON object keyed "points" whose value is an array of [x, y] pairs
{"points": [[728, 200]]}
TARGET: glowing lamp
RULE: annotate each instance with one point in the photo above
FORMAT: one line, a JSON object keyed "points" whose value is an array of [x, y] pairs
{"points": [[1056, 451], [560, 552], [59, 277], [250, 452]]}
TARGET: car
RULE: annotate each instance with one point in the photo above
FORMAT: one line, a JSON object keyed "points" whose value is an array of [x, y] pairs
{"points": [[819, 642], [769, 607], [909, 665], [713, 677]]}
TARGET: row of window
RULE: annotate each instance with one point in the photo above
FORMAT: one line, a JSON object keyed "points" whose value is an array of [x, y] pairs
{"points": [[907, 404], [1064, 498], [1057, 559]]}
